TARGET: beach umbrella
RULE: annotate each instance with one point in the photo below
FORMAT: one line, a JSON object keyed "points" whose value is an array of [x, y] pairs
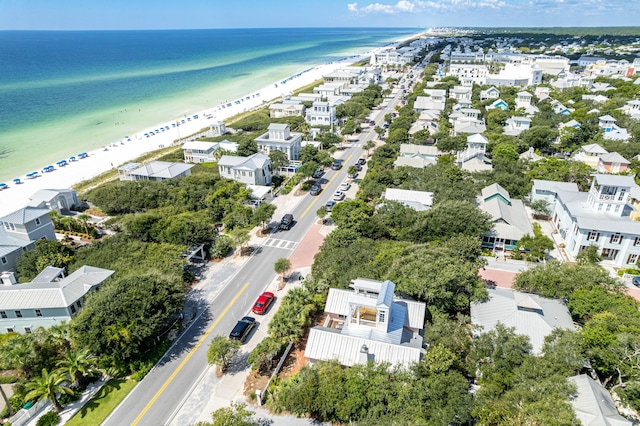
{"points": [[3, 185], [72, 158], [16, 181]]}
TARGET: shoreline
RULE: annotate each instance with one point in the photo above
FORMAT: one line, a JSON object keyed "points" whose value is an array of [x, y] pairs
{"points": [[120, 152]]}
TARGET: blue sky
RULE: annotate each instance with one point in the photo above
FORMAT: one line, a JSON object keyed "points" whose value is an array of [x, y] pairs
{"points": [[165, 14]]}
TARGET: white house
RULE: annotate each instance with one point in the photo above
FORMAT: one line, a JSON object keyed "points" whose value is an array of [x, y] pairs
{"points": [[476, 150], [20, 230], [252, 170], [490, 93], [531, 315], [516, 125], [460, 93], [321, 114], [280, 138], [204, 152], [593, 404], [632, 108], [590, 154], [155, 170], [416, 200], [60, 200], [600, 217], [368, 323], [510, 219], [548, 189], [279, 110], [47, 300], [523, 99], [427, 103], [611, 131]]}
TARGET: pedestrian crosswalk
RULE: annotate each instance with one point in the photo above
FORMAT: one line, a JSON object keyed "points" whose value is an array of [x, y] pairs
{"points": [[282, 244]]}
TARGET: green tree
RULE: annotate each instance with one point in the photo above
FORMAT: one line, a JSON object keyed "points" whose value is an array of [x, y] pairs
{"points": [[589, 255], [46, 253], [48, 386], [537, 246], [278, 159], [281, 266], [506, 151], [539, 137], [262, 357], [235, 415], [188, 229], [84, 218], [322, 212], [76, 365], [541, 207], [352, 171], [247, 148], [369, 145], [239, 237], [221, 351], [263, 213]]}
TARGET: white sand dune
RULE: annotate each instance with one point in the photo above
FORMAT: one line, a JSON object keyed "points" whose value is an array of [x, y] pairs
{"points": [[100, 160]]}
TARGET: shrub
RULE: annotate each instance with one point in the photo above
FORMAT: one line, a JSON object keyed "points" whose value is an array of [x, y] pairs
{"points": [[7, 379], [285, 190], [49, 419]]}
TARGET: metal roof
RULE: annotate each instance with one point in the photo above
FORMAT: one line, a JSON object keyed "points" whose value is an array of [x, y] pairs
{"points": [[593, 404], [587, 218], [24, 215], [553, 186], [494, 189], [615, 180], [613, 157], [162, 169], [46, 195], [60, 294], [530, 314], [410, 198], [326, 344]]}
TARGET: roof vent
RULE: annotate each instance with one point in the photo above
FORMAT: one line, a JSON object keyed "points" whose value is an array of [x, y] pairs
{"points": [[8, 278]]}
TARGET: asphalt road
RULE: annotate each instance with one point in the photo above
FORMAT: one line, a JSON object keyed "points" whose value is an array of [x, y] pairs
{"points": [[159, 394]]}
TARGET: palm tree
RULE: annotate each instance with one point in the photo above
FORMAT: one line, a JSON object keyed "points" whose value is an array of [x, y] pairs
{"points": [[76, 364], [48, 386], [281, 266], [58, 335], [84, 218]]}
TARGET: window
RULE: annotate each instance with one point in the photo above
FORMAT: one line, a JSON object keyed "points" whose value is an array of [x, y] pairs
{"points": [[79, 304], [73, 309], [632, 259], [617, 209], [37, 221], [9, 329], [38, 313], [593, 236], [575, 229], [599, 207], [622, 193], [19, 314], [3, 314], [608, 207], [381, 316], [616, 239], [636, 242], [27, 330], [4, 260]]}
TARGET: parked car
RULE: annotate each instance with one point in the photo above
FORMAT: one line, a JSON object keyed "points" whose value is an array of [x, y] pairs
{"points": [[337, 165], [357, 166], [635, 281], [353, 176], [315, 189], [286, 222], [338, 196], [262, 303], [317, 174], [344, 186], [330, 205], [362, 161], [242, 329]]}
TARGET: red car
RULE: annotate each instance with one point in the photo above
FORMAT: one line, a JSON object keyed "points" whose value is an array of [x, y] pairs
{"points": [[263, 302]]}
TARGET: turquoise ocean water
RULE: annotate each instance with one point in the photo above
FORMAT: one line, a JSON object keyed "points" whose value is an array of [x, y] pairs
{"points": [[64, 92]]}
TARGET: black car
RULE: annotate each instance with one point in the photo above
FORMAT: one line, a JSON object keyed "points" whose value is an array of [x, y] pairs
{"points": [[337, 165], [317, 174], [286, 222], [362, 161], [315, 190], [242, 329], [635, 281]]}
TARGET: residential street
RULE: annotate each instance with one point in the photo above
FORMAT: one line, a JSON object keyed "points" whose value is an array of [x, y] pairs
{"points": [[227, 295]]}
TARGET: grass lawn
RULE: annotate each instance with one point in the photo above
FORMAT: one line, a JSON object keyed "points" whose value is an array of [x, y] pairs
{"points": [[103, 403]]}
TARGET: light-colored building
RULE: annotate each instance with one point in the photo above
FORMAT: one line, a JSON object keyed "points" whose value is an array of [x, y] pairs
{"points": [[548, 189], [155, 170], [593, 404], [416, 200], [471, 72], [20, 230], [47, 300], [321, 114], [490, 93], [476, 150], [279, 110], [509, 218], [252, 170], [205, 152], [612, 162], [590, 154], [279, 137], [60, 200], [612, 131], [516, 125], [523, 99], [529, 314], [600, 217], [368, 323]]}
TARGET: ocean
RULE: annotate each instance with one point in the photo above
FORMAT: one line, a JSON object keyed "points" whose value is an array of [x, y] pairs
{"points": [[64, 92]]}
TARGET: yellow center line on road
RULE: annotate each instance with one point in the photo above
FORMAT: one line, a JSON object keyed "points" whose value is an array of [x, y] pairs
{"points": [[188, 357]]}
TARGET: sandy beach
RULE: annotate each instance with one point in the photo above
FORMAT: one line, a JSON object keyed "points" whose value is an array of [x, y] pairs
{"points": [[15, 196]]}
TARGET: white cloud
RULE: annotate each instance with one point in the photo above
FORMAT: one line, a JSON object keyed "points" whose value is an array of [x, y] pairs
{"points": [[416, 6]]}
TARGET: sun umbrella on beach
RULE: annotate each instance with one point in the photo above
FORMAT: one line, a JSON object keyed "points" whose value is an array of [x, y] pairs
{"points": [[16, 181], [3, 185]]}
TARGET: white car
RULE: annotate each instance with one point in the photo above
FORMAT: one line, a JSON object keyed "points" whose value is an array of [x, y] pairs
{"points": [[344, 186], [338, 196]]}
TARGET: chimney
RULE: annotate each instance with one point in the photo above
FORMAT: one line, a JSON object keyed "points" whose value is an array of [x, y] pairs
{"points": [[8, 278]]}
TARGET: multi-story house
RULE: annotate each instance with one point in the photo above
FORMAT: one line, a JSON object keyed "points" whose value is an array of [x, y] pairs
{"points": [[321, 114], [600, 217], [205, 152], [252, 170], [20, 230], [279, 137]]}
